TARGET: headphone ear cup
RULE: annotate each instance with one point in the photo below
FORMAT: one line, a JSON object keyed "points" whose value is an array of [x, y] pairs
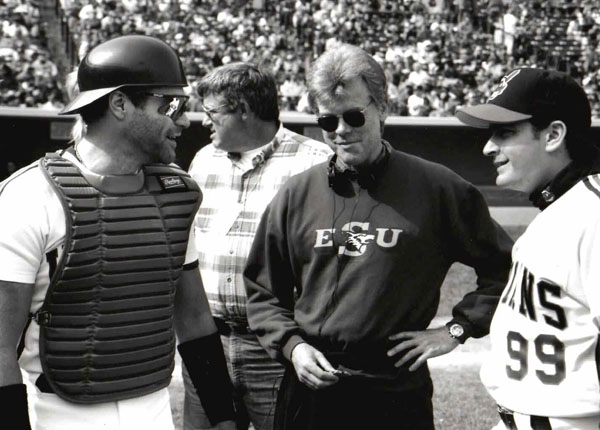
{"points": [[331, 176], [332, 172]]}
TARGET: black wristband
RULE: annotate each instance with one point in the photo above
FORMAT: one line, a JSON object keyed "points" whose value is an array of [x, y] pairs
{"points": [[205, 362], [13, 404]]}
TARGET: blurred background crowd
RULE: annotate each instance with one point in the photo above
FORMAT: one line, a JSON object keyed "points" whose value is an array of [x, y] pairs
{"points": [[438, 54]]}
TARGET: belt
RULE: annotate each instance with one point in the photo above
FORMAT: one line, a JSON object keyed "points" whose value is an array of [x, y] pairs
{"points": [[537, 423], [227, 327]]}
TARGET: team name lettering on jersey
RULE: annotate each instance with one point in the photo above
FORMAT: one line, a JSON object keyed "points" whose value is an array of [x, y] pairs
{"points": [[524, 288], [357, 238]]}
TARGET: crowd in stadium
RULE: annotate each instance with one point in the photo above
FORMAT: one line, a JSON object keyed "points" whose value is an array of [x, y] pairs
{"points": [[438, 54], [28, 76]]}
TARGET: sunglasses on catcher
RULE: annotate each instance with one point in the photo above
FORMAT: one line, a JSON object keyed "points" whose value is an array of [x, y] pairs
{"points": [[352, 117], [174, 106]]}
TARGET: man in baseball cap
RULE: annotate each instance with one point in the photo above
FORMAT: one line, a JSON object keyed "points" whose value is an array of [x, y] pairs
{"points": [[542, 367], [538, 95], [99, 267]]}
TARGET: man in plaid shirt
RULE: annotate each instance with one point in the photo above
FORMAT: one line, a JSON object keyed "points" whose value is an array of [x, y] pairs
{"points": [[251, 156]]}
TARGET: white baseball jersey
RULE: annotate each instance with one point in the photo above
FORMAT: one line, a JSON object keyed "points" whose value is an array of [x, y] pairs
{"points": [[32, 230], [544, 333]]}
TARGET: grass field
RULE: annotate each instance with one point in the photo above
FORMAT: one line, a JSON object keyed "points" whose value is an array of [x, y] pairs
{"points": [[460, 401]]}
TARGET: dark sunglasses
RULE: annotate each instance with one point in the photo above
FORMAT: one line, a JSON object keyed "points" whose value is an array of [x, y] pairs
{"points": [[174, 106], [352, 117]]}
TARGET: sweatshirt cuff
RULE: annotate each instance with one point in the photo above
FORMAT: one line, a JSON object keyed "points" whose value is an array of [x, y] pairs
{"points": [[289, 346], [468, 330]]}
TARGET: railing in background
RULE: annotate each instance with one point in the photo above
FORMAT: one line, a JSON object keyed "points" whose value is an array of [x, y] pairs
{"points": [[442, 140]]}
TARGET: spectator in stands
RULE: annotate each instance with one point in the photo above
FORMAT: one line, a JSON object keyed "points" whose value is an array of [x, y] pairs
{"points": [[418, 76], [510, 22], [291, 90], [416, 101]]}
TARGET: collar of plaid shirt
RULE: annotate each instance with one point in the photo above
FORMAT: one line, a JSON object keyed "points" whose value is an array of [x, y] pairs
{"points": [[259, 159], [266, 152]]}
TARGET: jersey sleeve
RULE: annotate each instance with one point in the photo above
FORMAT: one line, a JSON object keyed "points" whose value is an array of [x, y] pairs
{"points": [[588, 257], [24, 226]]}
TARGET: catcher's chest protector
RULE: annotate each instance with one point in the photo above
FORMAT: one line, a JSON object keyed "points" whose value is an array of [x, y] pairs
{"points": [[106, 326]]}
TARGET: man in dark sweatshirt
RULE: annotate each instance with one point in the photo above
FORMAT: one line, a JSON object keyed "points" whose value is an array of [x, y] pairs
{"points": [[344, 275]]}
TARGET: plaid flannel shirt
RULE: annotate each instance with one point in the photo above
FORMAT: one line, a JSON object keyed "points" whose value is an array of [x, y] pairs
{"points": [[235, 195]]}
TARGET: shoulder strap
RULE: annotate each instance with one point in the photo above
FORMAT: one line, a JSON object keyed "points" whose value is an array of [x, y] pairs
{"points": [[42, 165], [55, 161]]}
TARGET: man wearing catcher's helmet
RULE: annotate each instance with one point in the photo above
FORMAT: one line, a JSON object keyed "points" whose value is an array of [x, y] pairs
{"points": [[543, 366], [99, 264]]}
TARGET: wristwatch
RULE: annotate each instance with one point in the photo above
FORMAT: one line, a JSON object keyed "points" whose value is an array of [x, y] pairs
{"points": [[457, 332]]}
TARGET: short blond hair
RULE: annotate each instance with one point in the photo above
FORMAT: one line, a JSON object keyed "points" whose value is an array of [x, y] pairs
{"points": [[332, 71]]}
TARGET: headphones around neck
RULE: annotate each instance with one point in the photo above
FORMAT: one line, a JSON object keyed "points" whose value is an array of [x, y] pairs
{"points": [[366, 178]]}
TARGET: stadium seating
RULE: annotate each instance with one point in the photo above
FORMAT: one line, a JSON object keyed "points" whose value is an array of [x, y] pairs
{"points": [[462, 51]]}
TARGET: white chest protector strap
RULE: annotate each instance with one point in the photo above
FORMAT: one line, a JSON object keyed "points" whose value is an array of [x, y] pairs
{"points": [[106, 325]]}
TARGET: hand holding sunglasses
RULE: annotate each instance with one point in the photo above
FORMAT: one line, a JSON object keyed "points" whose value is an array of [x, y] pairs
{"points": [[352, 117]]}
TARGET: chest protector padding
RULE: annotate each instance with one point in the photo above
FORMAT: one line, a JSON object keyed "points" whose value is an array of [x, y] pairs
{"points": [[106, 325]]}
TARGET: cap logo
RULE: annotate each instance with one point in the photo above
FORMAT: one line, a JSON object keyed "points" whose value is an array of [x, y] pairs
{"points": [[504, 84]]}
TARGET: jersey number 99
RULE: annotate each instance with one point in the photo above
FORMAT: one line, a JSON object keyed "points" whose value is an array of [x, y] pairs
{"points": [[518, 350]]}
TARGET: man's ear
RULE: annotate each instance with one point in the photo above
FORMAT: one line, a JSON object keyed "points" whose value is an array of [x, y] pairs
{"points": [[117, 102], [383, 111], [244, 108], [555, 136]]}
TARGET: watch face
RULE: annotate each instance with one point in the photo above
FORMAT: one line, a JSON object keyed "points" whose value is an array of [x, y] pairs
{"points": [[456, 330]]}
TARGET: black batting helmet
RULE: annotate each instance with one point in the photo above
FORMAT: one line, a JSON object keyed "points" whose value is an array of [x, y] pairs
{"points": [[126, 61]]}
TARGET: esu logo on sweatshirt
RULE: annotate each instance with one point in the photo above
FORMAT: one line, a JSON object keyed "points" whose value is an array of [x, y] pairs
{"points": [[357, 238]]}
